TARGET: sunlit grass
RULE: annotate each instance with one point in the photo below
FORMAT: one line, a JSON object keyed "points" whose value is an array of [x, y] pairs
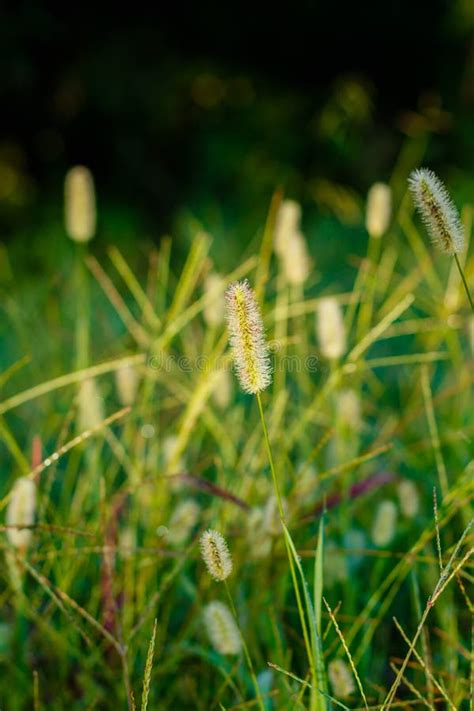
{"points": [[103, 603]]}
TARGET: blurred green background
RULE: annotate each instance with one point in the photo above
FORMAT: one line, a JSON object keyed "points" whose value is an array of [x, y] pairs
{"points": [[197, 112]]}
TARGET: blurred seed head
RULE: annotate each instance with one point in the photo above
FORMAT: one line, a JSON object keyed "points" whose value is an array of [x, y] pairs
{"points": [[247, 338], [214, 311], [79, 204], [90, 405], [295, 260], [385, 522], [408, 498], [21, 512], [379, 207], [348, 410], [216, 555], [173, 461], [127, 380], [341, 678], [287, 224], [183, 520], [127, 542], [330, 328], [437, 211], [222, 629]]}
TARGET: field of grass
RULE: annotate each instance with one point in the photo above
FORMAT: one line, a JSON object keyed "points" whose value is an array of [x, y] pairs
{"points": [[125, 429]]}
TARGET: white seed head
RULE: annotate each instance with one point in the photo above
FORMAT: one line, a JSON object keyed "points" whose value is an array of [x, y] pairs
{"points": [[127, 380], [330, 328], [437, 211], [295, 260], [287, 224], [222, 393], [222, 629], [247, 338], [379, 209], [408, 498], [216, 555], [90, 405], [214, 310], [341, 678], [385, 522], [79, 204], [184, 518], [21, 512]]}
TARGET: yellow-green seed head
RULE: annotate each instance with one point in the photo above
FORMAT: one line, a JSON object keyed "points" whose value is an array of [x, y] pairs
{"points": [[247, 339], [21, 512], [215, 554], [222, 629], [79, 204]]}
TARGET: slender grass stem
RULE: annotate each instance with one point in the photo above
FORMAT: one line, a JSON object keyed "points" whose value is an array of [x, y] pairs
{"points": [[290, 558], [463, 278], [248, 658], [83, 309]]}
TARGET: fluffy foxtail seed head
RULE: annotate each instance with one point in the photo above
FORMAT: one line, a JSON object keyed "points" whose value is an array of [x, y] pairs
{"points": [[215, 554], [383, 529], [379, 207], [222, 629], [437, 211], [330, 329], [21, 512], [247, 338], [79, 204], [341, 678]]}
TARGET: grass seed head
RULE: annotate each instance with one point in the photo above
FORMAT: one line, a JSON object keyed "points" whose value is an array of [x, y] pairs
{"points": [[330, 329], [21, 512], [90, 405], [247, 338], [216, 555], [385, 522], [214, 310], [408, 498], [437, 211], [341, 678], [295, 260], [286, 225], [379, 209], [127, 380], [79, 204], [222, 629]]}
